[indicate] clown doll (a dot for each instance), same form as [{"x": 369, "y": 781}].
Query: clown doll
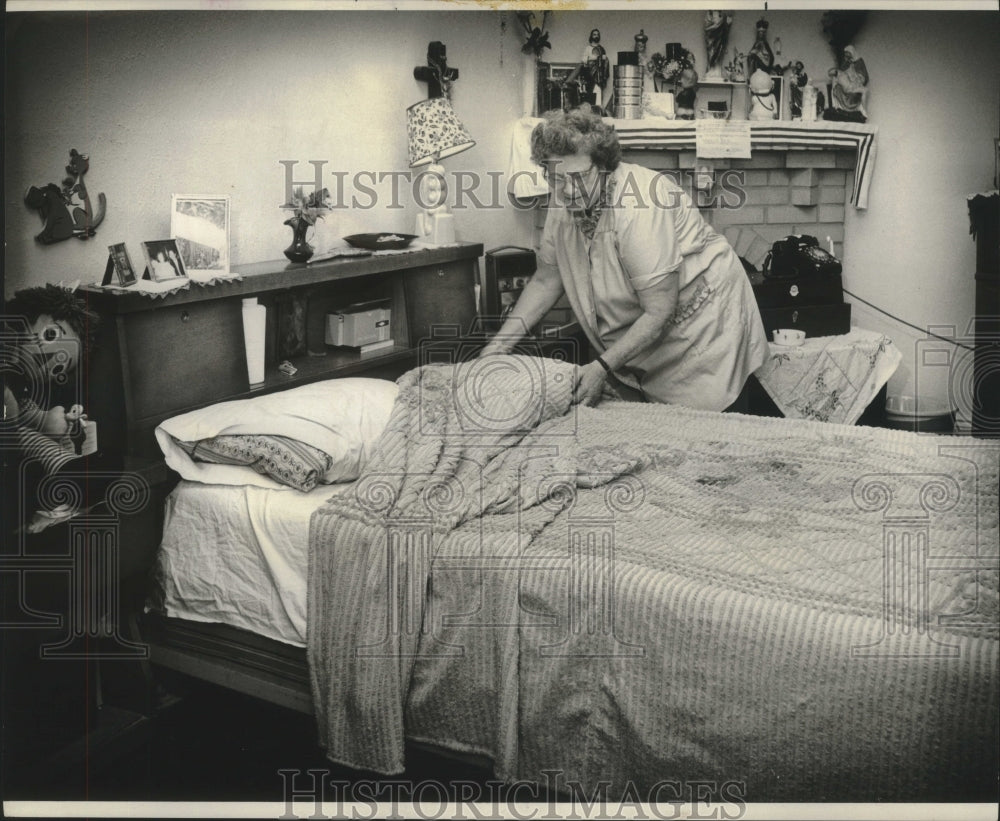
[{"x": 48, "y": 329}]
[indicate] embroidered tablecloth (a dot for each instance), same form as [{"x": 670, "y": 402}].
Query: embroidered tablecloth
[{"x": 829, "y": 378}]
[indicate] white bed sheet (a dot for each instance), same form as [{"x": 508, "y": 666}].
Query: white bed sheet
[{"x": 239, "y": 555}]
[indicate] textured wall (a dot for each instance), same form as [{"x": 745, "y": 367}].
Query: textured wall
[
  {"x": 200, "y": 103},
  {"x": 209, "y": 102}
]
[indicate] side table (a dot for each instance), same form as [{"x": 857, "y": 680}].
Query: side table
[{"x": 829, "y": 378}]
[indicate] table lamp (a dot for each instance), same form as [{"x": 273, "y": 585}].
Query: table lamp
[{"x": 434, "y": 132}]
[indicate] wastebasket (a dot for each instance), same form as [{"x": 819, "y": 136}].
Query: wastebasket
[{"x": 922, "y": 414}]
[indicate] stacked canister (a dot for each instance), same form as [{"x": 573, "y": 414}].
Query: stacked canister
[{"x": 628, "y": 86}]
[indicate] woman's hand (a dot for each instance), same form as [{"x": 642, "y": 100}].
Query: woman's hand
[{"x": 589, "y": 384}]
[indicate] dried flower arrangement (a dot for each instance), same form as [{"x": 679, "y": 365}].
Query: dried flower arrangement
[
  {"x": 536, "y": 38},
  {"x": 308, "y": 208}
]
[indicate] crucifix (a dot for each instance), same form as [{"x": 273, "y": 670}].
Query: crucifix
[{"x": 436, "y": 73}]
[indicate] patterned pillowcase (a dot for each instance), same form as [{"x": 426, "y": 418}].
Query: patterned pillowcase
[{"x": 285, "y": 460}]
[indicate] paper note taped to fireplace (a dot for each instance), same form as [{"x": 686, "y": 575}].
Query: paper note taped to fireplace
[{"x": 718, "y": 139}]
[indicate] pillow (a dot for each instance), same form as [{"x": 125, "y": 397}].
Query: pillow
[
  {"x": 285, "y": 460},
  {"x": 342, "y": 418}
]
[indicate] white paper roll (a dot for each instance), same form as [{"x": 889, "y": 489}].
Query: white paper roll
[{"x": 254, "y": 329}]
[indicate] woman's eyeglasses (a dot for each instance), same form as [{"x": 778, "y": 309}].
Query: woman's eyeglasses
[{"x": 577, "y": 178}]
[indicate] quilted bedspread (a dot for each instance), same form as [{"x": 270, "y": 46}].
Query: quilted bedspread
[{"x": 632, "y": 594}]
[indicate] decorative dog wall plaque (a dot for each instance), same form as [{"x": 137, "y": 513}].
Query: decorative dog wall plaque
[{"x": 62, "y": 214}]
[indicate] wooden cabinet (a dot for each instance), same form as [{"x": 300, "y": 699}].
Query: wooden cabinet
[
  {"x": 984, "y": 212},
  {"x": 156, "y": 358}
]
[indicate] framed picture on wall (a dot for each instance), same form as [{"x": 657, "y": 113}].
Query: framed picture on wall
[
  {"x": 201, "y": 227},
  {"x": 163, "y": 260},
  {"x": 553, "y": 89}
]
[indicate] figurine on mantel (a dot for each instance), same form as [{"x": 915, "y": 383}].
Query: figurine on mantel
[
  {"x": 717, "y": 25},
  {"x": 641, "y": 40},
  {"x": 685, "y": 91},
  {"x": 760, "y": 55},
  {"x": 763, "y": 104},
  {"x": 848, "y": 88},
  {"x": 795, "y": 80},
  {"x": 595, "y": 68},
  {"x": 734, "y": 71}
]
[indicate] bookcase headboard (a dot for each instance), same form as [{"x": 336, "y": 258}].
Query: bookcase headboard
[{"x": 156, "y": 358}]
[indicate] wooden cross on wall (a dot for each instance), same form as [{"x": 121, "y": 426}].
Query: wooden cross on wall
[{"x": 436, "y": 73}]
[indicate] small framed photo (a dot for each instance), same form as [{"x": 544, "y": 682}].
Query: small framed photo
[
  {"x": 163, "y": 260},
  {"x": 122, "y": 265},
  {"x": 555, "y": 90},
  {"x": 201, "y": 227}
]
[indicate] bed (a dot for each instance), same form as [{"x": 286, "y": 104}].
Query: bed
[{"x": 628, "y": 594}]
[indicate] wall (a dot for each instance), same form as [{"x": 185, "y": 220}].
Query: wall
[
  {"x": 202, "y": 103},
  {"x": 209, "y": 102},
  {"x": 911, "y": 252}
]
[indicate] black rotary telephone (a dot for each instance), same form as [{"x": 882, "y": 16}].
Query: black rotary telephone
[{"x": 799, "y": 255}]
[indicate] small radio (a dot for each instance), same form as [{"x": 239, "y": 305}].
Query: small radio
[
  {"x": 508, "y": 270},
  {"x": 359, "y": 325}
]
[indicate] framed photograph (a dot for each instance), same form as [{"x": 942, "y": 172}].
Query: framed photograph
[
  {"x": 121, "y": 265},
  {"x": 163, "y": 260},
  {"x": 201, "y": 227},
  {"x": 553, "y": 89}
]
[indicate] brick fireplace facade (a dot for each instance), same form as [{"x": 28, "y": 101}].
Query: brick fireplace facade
[
  {"x": 793, "y": 191},
  {"x": 786, "y": 192}
]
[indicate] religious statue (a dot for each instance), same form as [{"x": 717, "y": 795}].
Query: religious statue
[
  {"x": 717, "y": 25},
  {"x": 641, "y": 39},
  {"x": 760, "y": 55},
  {"x": 735, "y": 71},
  {"x": 848, "y": 88},
  {"x": 763, "y": 104},
  {"x": 795, "y": 81},
  {"x": 595, "y": 68}
]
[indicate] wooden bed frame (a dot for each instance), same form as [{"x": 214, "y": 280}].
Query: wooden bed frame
[
  {"x": 231, "y": 657},
  {"x": 156, "y": 358}
]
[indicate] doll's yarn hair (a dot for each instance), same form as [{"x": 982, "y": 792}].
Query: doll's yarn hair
[{"x": 61, "y": 304}]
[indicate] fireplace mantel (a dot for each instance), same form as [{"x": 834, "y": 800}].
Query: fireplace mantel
[{"x": 657, "y": 133}]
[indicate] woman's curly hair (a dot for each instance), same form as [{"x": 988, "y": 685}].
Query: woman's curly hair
[{"x": 568, "y": 132}]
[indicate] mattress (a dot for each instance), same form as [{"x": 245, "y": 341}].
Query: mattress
[{"x": 238, "y": 555}]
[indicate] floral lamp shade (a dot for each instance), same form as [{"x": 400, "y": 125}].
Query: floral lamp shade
[{"x": 434, "y": 131}]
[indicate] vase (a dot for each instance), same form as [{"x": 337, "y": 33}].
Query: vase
[
  {"x": 299, "y": 250},
  {"x": 529, "y": 76}
]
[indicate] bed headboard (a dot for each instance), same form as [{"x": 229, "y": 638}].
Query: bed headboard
[{"x": 157, "y": 357}]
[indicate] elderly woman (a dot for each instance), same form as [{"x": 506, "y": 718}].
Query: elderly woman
[{"x": 663, "y": 298}]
